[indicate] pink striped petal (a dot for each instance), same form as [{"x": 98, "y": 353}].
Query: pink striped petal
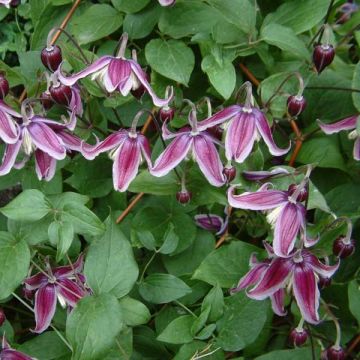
[
  {"x": 277, "y": 302},
  {"x": 7, "y": 109},
  {"x": 356, "y": 152},
  {"x": 344, "y": 124},
  {"x": 55, "y": 125},
  {"x": 240, "y": 137},
  {"x": 306, "y": 292},
  {"x": 175, "y": 152},
  {"x": 210, "y": 222},
  {"x": 45, "y": 306},
  {"x": 46, "y": 140},
  {"x": 265, "y": 132},
  {"x": 220, "y": 117},
  {"x": 36, "y": 281},
  {"x": 326, "y": 271},
  {"x": 9, "y": 157},
  {"x": 263, "y": 175},
  {"x": 208, "y": 160},
  {"x": 126, "y": 164},
  {"x": 145, "y": 149},
  {"x": 118, "y": 74},
  {"x": 45, "y": 165},
  {"x": 69, "y": 291},
  {"x": 69, "y": 270},
  {"x": 141, "y": 75},
  {"x": 9, "y": 132},
  {"x": 168, "y": 134},
  {"x": 11, "y": 354},
  {"x": 259, "y": 200},
  {"x": 93, "y": 68},
  {"x": 71, "y": 141},
  {"x": 274, "y": 278},
  {"x": 75, "y": 103}
]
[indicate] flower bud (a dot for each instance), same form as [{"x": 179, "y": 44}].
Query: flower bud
[
  {"x": 4, "y": 86},
  {"x": 230, "y": 173},
  {"x": 343, "y": 248},
  {"x": 333, "y": 353},
  {"x": 46, "y": 100},
  {"x": 303, "y": 195},
  {"x": 51, "y": 57},
  {"x": 61, "y": 94},
  {"x": 183, "y": 196},
  {"x": 2, "y": 317},
  {"x": 166, "y": 114},
  {"x": 323, "y": 56},
  {"x": 298, "y": 337},
  {"x": 14, "y": 3},
  {"x": 296, "y": 105}
]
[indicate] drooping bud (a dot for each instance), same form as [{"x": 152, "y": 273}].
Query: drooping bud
[
  {"x": 303, "y": 195},
  {"x": 46, "y": 100},
  {"x": 15, "y": 3},
  {"x": 2, "y": 317},
  {"x": 323, "y": 56},
  {"x": 61, "y": 93},
  {"x": 229, "y": 173},
  {"x": 51, "y": 57},
  {"x": 343, "y": 247},
  {"x": 4, "y": 86},
  {"x": 298, "y": 337},
  {"x": 334, "y": 353},
  {"x": 166, "y": 114},
  {"x": 296, "y": 105},
  {"x": 183, "y": 196}
]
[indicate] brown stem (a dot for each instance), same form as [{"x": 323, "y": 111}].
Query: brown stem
[
  {"x": 353, "y": 345},
  {"x": 298, "y": 144},
  {"x": 249, "y": 74},
  {"x": 129, "y": 207},
  {"x": 225, "y": 234}
]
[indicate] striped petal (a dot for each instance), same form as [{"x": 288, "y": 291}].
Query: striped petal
[
  {"x": 277, "y": 302},
  {"x": 263, "y": 175},
  {"x": 71, "y": 142},
  {"x": 118, "y": 74},
  {"x": 36, "y": 281},
  {"x": 69, "y": 291},
  {"x": 69, "y": 270},
  {"x": 326, "y": 271},
  {"x": 45, "y": 306},
  {"x": 210, "y": 222},
  {"x": 9, "y": 157},
  {"x": 11, "y": 354},
  {"x": 220, "y": 117},
  {"x": 9, "y": 132},
  {"x": 345, "y": 124},
  {"x": 45, "y": 165},
  {"x": 356, "y": 152}
]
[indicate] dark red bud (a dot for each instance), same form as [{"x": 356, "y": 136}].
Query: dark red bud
[
  {"x": 323, "y": 56},
  {"x": 296, "y": 105},
  {"x": 303, "y": 195},
  {"x": 298, "y": 337},
  {"x": 229, "y": 173},
  {"x": 166, "y": 114},
  {"x": 2, "y": 317},
  {"x": 324, "y": 282},
  {"x": 46, "y": 100},
  {"x": 14, "y": 3},
  {"x": 183, "y": 196},
  {"x": 139, "y": 92},
  {"x": 333, "y": 353},
  {"x": 51, "y": 57},
  {"x": 216, "y": 131},
  {"x": 343, "y": 249},
  {"x": 61, "y": 94},
  {"x": 4, "y": 86}
]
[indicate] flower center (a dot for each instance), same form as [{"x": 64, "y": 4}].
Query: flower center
[
  {"x": 353, "y": 135},
  {"x": 27, "y": 144}
]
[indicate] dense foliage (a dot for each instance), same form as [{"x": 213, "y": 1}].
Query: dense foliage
[{"x": 179, "y": 179}]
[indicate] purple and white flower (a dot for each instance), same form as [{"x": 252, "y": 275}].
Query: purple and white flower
[
  {"x": 9, "y": 131},
  {"x": 191, "y": 142},
  {"x": 64, "y": 283},
  {"x": 264, "y": 175},
  {"x": 349, "y": 123},
  {"x": 212, "y": 222},
  {"x": 7, "y": 353},
  {"x": 299, "y": 272},
  {"x": 117, "y": 73}
]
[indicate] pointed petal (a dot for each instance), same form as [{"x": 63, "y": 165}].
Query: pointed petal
[
  {"x": 356, "y": 152},
  {"x": 11, "y": 354},
  {"x": 69, "y": 291},
  {"x": 170, "y": 135},
  {"x": 75, "y": 103},
  {"x": 145, "y": 149},
  {"x": 274, "y": 278},
  {"x": 45, "y": 306},
  {"x": 286, "y": 229},
  {"x": 56, "y": 125},
  {"x": 263, "y": 175},
  {"x": 265, "y": 132},
  {"x": 174, "y": 153},
  {"x": 210, "y": 222},
  {"x": 326, "y": 271},
  {"x": 166, "y": 2},
  {"x": 94, "y": 67},
  {"x": 36, "y": 281},
  {"x": 306, "y": 292},
  {"x": 259, "y": 200},
  {"x": 140, "y": 74},
  {"x": 69, "y": 270},
  {"x": 277, "y": 302},
  {"x": 9, "y": 157},
  {"x": 45, "y": 165},
  {"x": 344, "y": 124},
  {"x": 8, "y": 110},
  {"x": 126, "y": 164},
  {"x": 71, "y": 141},
  {"x": 118, "y": 74},
  {"x": 9, "y": 132},
  {"x": 208, "y": 160},
  {"x": 269, "y": 249},
  {"x": 91, "y": 151},
  {"x": 219, "y": 118},
  {"x": 46, "y": 140}
]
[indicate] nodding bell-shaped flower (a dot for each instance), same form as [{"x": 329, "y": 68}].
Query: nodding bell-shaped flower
[
  {"x": 247, "y": 124},
  {"x": 117, "y": 73},
  {"x": 191, "y": 141},
  {"x": 298, "y": 272},
  {"x": 345, "y": 124},
  {"x": 167, "y": 2},
  {"x": 128, "y": 149},
  {"x": 213, "y": 222},
  {"x": 7, "y": 353},
  {"x": 64, "y": 283},
  {"x": 287, "y": 215}
]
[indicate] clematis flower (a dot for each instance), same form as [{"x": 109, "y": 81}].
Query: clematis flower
[
  {"x": 166, "y": 2},
  {"x": 47, "y": 139},
  {"x": 246, "y": 124},
  {"x": 212, "y": 222},
  {"x": 299, "y": 272},
  {"x": 287, "y": 213},
  {"x": 60, "y": 283},
  {"x": 345, "y": 124},
  {"x": 264, "y": 175},
  {"x": 117, "y": 73},
  {"x": 7, "y": 353},
  {"x": 129, "y": 148},
  {"x": 194, "y": 142}
]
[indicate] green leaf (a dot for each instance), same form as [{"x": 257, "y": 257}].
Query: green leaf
[
  {"x": 171, "y": 241},
  {"x": 354, "y": 299},
  {"x": 215, "y": 301},
  {"x": 145, "y": 182},
  {"x": 225, "y": 266},
  {"x": 93, "y": 326},
  {"x": 285, "y": 39},
  {"x": 134, "y": 312},
  {"x": 61, "y": 235},
  {"x": 172, "y": 59},
  {"x": 188, "y": 351},
  {"x": 295, "y": 354},
  {"x": 96, "y": 22},
  {"x": 130, "y": 6},
  {"x": 162, "y": 288},
  {"x": 15, "y": 262},
  {"x": 221, "y": 75},
  {"x": 178, "y": 331},
  {"x": 251, "y": 314},
  {"x": 30, "y": 205},
  {"x": 110, "y": 264},
  {"x": 356, "y": 85}
]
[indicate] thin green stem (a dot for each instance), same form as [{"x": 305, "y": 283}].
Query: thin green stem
[
  {"x": 147, "y": 265},
  {"x": 185, "y": 308}
]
